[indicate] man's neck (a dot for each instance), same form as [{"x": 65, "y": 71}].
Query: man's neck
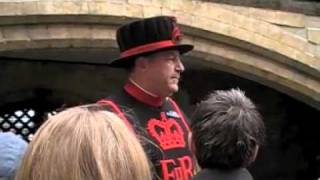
[
  {"x": 142, "y": 88},
  {"x": 135, "y": 90}
]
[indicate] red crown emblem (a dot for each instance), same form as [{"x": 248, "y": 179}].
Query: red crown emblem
[{"x": 167, "y": 132}]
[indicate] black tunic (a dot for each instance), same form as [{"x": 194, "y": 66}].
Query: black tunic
[{"x": 163, "y": 124}]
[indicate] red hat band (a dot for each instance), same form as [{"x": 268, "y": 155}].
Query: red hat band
[{"x": 147, "y": 48}]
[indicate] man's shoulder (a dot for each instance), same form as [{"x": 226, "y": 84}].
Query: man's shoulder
[
  {"x": 119, "y": 102},
  {"x": 119, "y": 97},
  {"x": 203, "y": 175}
]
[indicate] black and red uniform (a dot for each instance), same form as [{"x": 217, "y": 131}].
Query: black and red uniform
[{"x": 162, "y": 123}]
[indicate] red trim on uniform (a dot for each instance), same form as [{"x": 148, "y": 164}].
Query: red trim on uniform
[
  {"x": 147, "y": 48},
  {"x": 142, "y": 96},
  {"x": 117, "y": 110},
  {"x": 180, "y": 113}
]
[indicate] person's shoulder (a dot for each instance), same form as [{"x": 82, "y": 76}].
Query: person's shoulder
[
  {"x": 237, "y": 174},
  {"x": 205, "y": 174},
  {"x": 243, "y": 173},
  {"x": 9, "y": 139},
  {"x": 12, "y": 148}
]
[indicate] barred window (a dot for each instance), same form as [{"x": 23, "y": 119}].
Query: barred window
[
  {"x": 25, "y": 117},
  {"x": 20, "y": 122}
]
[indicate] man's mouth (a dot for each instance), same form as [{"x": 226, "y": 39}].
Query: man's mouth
[{"x": 176, "y": 77}]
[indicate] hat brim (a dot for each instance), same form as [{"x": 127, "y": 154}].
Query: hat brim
[{"x": 128, "y": 62}]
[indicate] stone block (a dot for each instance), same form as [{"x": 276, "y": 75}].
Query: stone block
[
  {"x": 311, "y": 49},
  {"x": 140, "y": 2},
  {"x": 317, "y": 51},
  {"x": 215, "y": 12},
  {"x": 103, "y": 32},
  {"x": 313, "y": 35},
  {"x": 191, "y": 7},
  {"x": 289, "y": 19},
  {"x": 149, "y": 11},
  {"x": 134, "y": 10},
  {"x": 167, "y": 12},
  {"x": 79, "y": 31},
  {"x": 158, "y": 3},
  {"x": 58, "y": 31},
  {"x": 28, "y": 8},
  {"x": 2, "y": 42},
  {"x": 200, "y": 45},
  {"x": 278, "y": 17},
  {"x": 15, "y": 33},
  {"x": 269, "y": 15},
  {"x": 271, "y": 31},
  {"x": 184, "y": 18},
  {"x": 312, "y": 22},
  {"x": 118, "y": 1},
  {"x": 246, "y": 23},
  {"x": 187, "y": 40},
  {"x": 75, "y": 7},
  {"x": 36, "y": 32},
  {"x": 302, "y": 32},
  {"x": 104, "y": 8},
  {"x": 1, "y": 36},
  {"x": 10, "y": 8},
  {"x": 60, "y": 43},
  {"x": 239, "y": 9},
  {"x": 174, "y": 5},
  {"x": 293, "y": 41},
  {"x": 204, "y": 23},
  {"x": 63, "y": 7},
  {"x": 240, "y": 33},
  {"x": 51, "y": 7}
]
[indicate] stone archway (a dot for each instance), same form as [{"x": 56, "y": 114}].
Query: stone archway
[{"x": 223, "y": 39}]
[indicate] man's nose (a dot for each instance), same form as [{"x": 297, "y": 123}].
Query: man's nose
[{"x": 180, "y": 66}]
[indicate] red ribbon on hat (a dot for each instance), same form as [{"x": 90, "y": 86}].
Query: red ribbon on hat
[{"x": 147, "y": 48}]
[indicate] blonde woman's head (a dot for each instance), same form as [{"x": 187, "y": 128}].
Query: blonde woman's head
[{"x": 84, "y": 143}]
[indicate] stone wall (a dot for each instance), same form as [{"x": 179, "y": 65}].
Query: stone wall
[
  {"x": 223, "y": 38},
  {"x": 309, "y": 7},
  {"x": 305, "y": 26}
]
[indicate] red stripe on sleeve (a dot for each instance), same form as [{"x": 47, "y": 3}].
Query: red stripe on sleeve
[{"x": 117, "y": 110}]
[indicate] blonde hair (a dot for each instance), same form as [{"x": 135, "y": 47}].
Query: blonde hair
[{"x": 84, "y": 144}]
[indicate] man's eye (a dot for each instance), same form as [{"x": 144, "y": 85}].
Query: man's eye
[{"x": 172, "y": 57}]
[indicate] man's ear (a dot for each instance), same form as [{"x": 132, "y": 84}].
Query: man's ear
[
  {"x": 255, "y": 153},
  {"x": 141, "y": 63}
]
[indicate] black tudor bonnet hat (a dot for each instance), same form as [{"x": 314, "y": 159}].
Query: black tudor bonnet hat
[{"x": 147, "y": 36}]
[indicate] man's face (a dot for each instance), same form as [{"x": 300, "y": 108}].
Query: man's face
[{"x": 164, "y": 69}]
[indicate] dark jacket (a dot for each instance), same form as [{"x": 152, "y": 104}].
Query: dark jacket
[
  {"x": 163, "y": 124},
  {"x": 213, "y": 174}
]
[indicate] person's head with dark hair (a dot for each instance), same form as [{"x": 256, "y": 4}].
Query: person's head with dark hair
[{"x": 227, "y": 131}]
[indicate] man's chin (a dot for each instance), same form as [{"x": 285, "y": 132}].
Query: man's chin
[{"x": 174, "y": 89}]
